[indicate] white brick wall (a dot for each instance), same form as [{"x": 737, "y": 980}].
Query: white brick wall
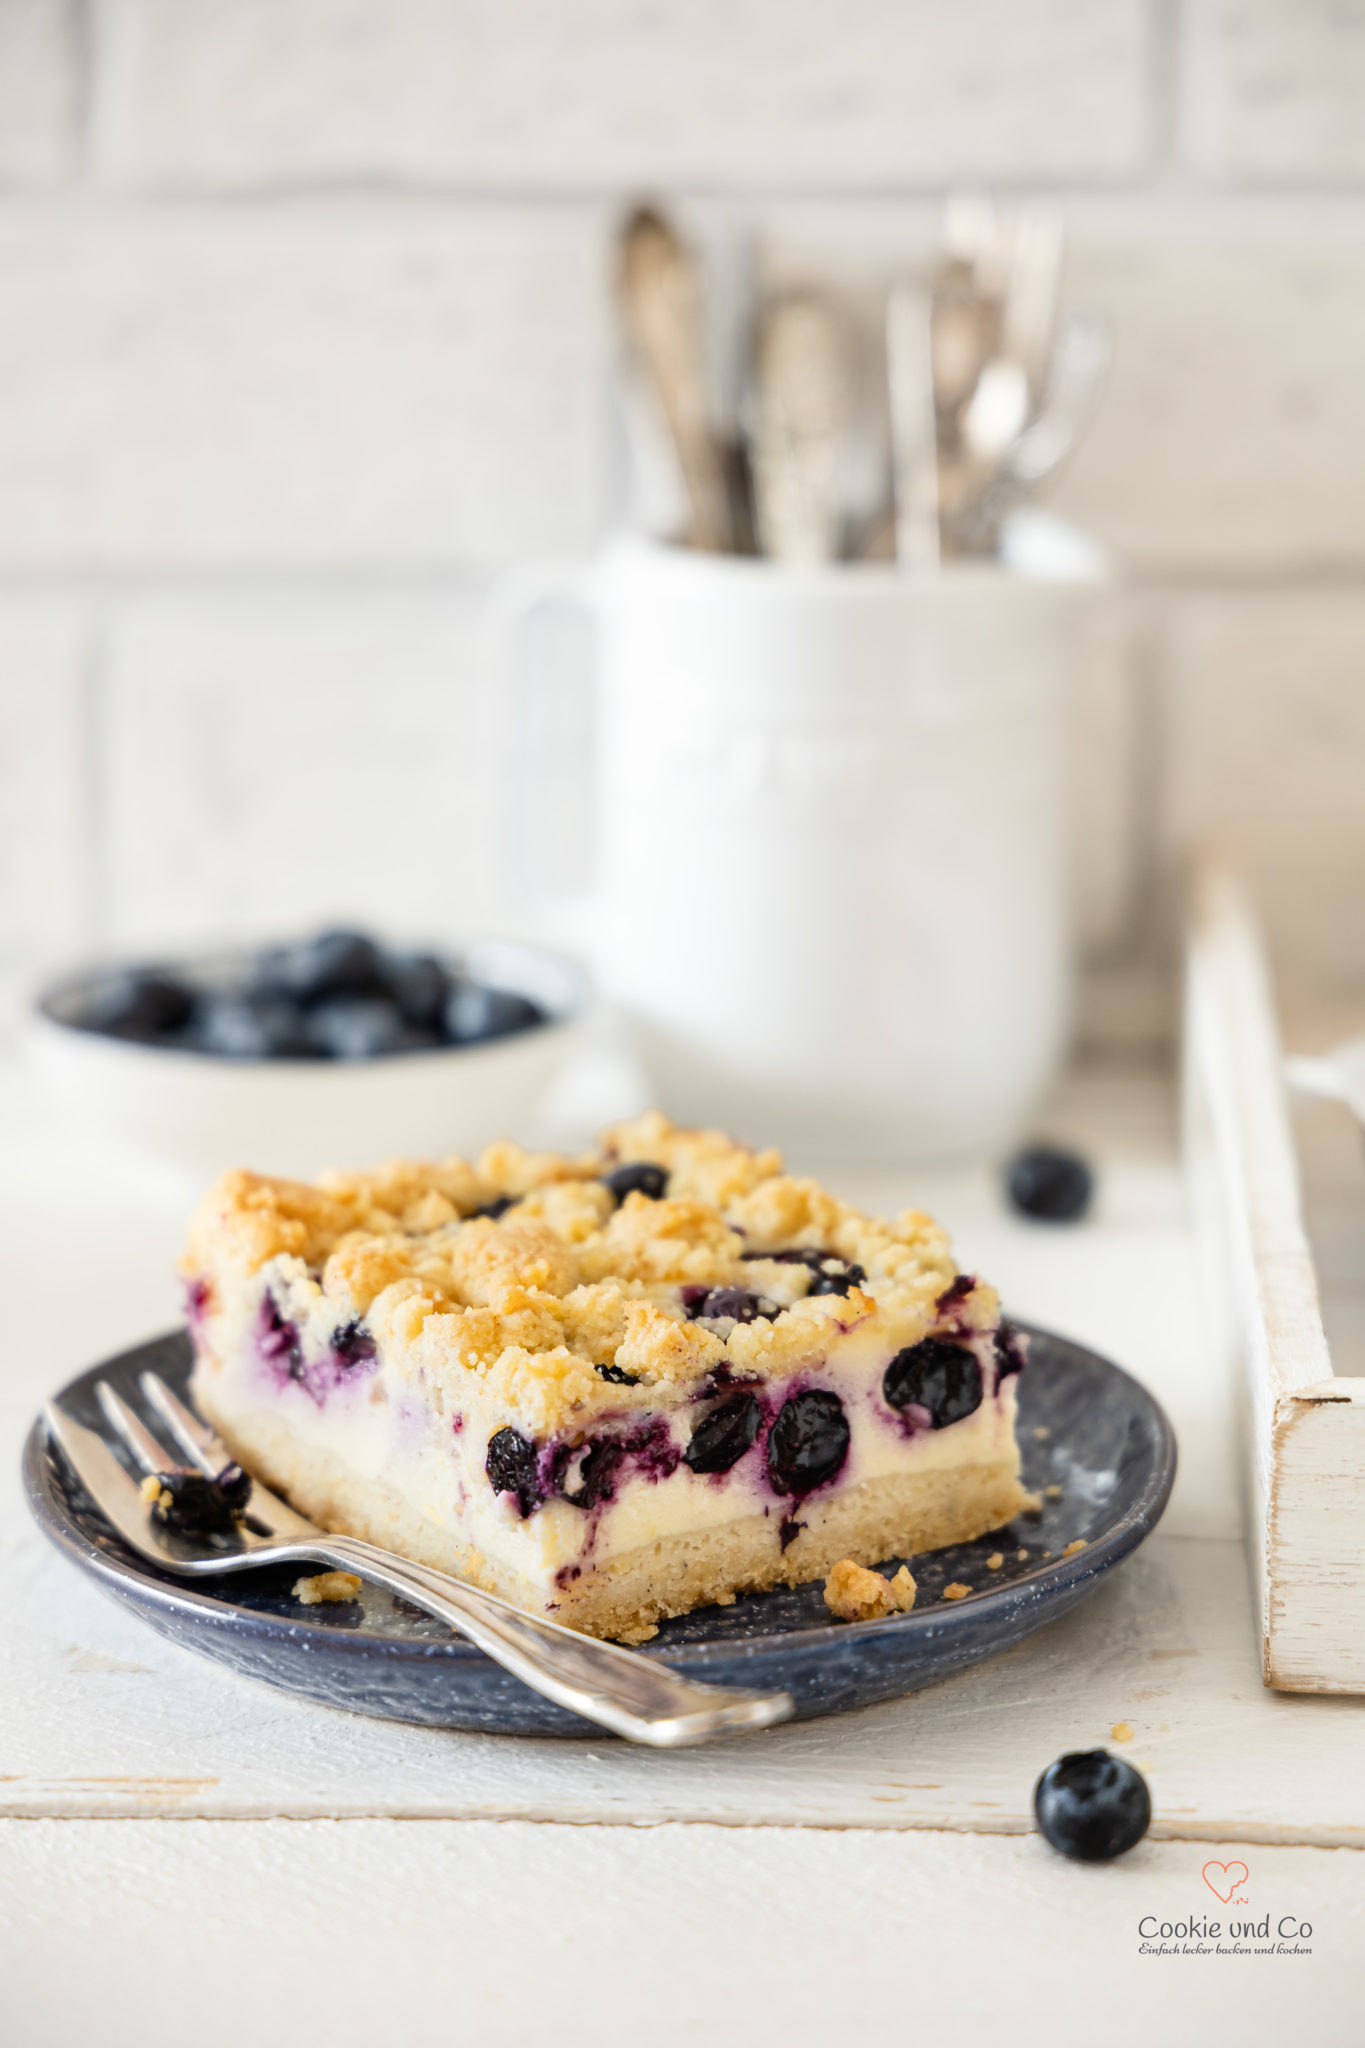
[
  {"x": 39, "y": 91},
  {"x": 273, "y": 760},
  {"x": 1224, "y": 441},
  {"x": 49, "y": 821},
  {"x": 1266, "y": 721},
  {"x": 579, "y": 95},
  {"x": 305, "y": 329},
  {"x": 362, "y": 385},
  {"x": 1275, "y": 90}
]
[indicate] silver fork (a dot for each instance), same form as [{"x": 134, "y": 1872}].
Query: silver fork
[{"x": 633, "y": 1696}]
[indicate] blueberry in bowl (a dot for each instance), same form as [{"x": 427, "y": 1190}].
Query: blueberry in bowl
[
  {"x": 296, "y": 1055},
  {"x": 338, "y": 995}
]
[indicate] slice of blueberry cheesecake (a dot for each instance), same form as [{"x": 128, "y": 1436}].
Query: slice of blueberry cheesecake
[{"x": 612, "y": 1388}]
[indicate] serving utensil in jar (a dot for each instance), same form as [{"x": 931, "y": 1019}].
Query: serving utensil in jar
[
  {"x": 914, "y": 431},
  {"x": 800, "y": 416},
  {"x": 660, "y": 297}
]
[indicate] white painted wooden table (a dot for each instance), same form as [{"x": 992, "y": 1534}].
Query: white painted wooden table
[{"x": 175, "y": 1840}]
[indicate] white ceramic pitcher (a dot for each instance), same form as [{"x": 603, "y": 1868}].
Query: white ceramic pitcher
[{"x": 831, "y": 890}]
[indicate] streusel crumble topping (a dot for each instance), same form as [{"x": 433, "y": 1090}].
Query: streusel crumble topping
[{"x": 528, "y": 1268}]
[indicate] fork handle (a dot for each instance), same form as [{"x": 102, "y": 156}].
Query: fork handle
[{"x": 634, "y": 1696}]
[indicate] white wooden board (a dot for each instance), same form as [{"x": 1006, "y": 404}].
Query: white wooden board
[{"x": 1305, "y": 1429}]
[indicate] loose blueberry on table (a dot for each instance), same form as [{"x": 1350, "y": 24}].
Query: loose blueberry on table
[
  {"x": 1049, "y": 1184},
  {"x": 1092, "y": 1806}
]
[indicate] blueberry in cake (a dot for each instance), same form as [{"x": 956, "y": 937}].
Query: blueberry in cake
[{"x": 612, "y": 1388}]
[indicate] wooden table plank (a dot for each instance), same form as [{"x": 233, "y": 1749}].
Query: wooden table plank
[
  {"x": 104, "y": 1718},
  {"x": 365, "y": 1932}
]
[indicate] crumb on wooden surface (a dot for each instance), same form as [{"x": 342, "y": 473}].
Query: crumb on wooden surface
[
  {"x": 324, "y": 1586},
  {"x": 995, "y": 1560},
  {"x": 1121, "y": 1732},
  {"x": 956, "y": 1591},
  {"x": 853, "y": 1593}
]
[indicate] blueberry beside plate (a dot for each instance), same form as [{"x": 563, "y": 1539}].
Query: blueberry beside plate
[{"x": 1084, "y": 1426}]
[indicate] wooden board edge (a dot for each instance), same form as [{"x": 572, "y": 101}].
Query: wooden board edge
[{"x": 1304, "y": 1430}]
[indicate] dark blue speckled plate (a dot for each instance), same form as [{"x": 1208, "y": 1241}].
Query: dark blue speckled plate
[{"x": 1084, "y": 1427}]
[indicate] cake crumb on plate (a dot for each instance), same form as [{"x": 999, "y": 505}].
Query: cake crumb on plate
[
  {"x": 853, "y": 1593},
  {"x": 326, "y": 1586},
  {"x": 956, "y": 1591}
]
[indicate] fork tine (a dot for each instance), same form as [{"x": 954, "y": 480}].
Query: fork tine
[
  {"x": 151, "y": 1455},
  {"x": 195, "y": 1438},
  {"x": 102, "y": 1476},
  {"x": 211, "y": 1455}
]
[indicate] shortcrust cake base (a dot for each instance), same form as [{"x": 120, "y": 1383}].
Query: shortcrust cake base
[{"x": 894, "y": 1515}]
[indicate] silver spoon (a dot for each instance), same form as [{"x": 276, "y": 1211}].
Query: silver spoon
[
  {"x": 799, "y": 427},
  {"x": 914, "y": 430},
  {"x": 660, "y": 297}
]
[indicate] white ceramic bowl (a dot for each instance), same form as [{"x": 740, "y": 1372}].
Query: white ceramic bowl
[{"x": 300, "y": 1117}]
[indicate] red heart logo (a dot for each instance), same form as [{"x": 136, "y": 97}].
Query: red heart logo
[{"x": 1231, "y": 1874}]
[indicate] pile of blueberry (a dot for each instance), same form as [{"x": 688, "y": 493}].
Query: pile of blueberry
[{"x": 337, "y": 996}]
